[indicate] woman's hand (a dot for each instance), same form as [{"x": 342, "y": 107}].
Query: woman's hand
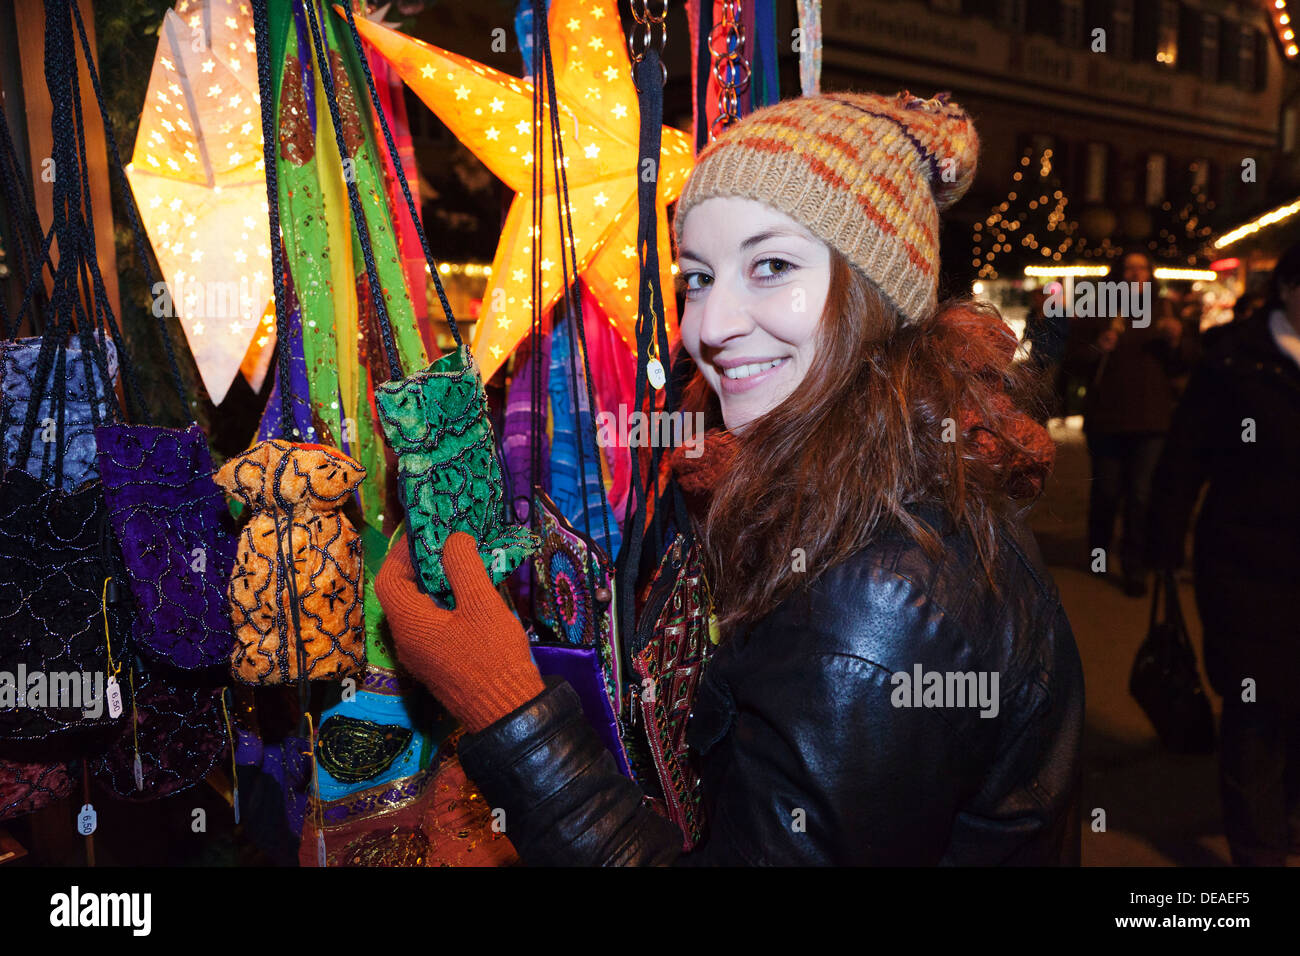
[{"x": 475, "y": 659}]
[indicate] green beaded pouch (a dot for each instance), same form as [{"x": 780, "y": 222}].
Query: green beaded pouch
[{"x": 448, "y": 476}]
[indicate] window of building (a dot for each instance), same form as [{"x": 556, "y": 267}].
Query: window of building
[
  {"x": 1094, "y": 179},
  {"x": 1121, "y": 29},
  {"x": 1155, "y": 191},
  {"x": 1262, "y": 49},
  {"x": 1245, "y": 77},
  {"x": 1166, "y": 31},
  {"x": 1011, "y": 14},
  {"x": 1209, "y": 48},
  {"x": 1071, "y": 23}
]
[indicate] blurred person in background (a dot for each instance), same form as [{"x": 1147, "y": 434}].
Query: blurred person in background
[
  {"x": 1237, "y": 430},
  {"x": 1131, "y": 374},
  {"x": 1046, "y": 335}
]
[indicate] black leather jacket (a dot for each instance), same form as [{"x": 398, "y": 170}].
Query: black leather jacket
[{"x": 805, "y": 757}]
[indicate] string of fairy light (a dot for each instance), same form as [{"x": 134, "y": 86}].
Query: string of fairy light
[
  {"x": 1189, "y": 225},
  {"x": 1008, "y": 224}
]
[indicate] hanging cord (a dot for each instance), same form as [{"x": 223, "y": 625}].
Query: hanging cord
[
  {"x": 354, "y": 195},
  {"x": 400, "y": 174},
  {"x": 650, "y": 329},
  {"x": 27, "y": 226},
  {"x": 60, "y": 321},
  {"x": 266, "y": 97},
  {"x": 265, "y": 92},
  {"x": 234, "y": 767},
  {"x": 132, "y": 210},
  {"x": 95, "y": 290},
  {"x": 569, "y": 254}
]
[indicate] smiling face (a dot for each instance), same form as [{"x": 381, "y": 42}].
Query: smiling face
[{"x": 755, "y": 283}]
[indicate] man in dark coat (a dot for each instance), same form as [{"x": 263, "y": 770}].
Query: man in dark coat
[{"x": 1238, "y": 429}]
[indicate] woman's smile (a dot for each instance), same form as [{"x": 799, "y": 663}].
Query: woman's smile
[{"x": 748, "y": 373}]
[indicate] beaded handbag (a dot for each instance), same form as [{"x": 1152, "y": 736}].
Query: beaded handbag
[
  {"x": 308, "y": 621},
  {"x": 177, "y": 550},
  {"x": 174, "y": 735},
  {"x": 574, "y": 600},
  {"x": 449, "y": 478}
]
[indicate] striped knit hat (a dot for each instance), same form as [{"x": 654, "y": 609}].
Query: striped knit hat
[{"x": 865, "y": 173}]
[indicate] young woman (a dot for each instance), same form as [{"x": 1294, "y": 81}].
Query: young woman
[{"x": 871, "y": 428}]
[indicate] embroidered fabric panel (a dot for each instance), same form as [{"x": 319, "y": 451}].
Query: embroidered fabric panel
[
  {"x": 18, "y": 383},
  {"x": 52, "y": 571},
  {"x": 449, "y": 478},
  {"x": 181, "y": 736},
  {"x": 170, "y": 520},
  {"x": 27, "y": 787},
  {"x": 673, "y": 660},
  {"x": 435, "y": 818},
  {"x": 566, "y": 602}
]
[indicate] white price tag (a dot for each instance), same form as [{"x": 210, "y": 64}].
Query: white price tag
[
  {"x": 86, "y": 820},
  {"x": 654, "y": 371},
  {"x": 114, "y": 694}
]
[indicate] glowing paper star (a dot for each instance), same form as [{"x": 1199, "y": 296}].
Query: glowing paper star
[
  {"x": 218, "y": 286},
  {"x": 607, "y": 175}
]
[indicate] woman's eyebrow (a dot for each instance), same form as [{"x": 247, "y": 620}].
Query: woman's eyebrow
[{"x": 750, "y": 242}]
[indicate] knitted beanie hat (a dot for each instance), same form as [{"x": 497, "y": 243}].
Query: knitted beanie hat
[{"x": 865, "y": 173}]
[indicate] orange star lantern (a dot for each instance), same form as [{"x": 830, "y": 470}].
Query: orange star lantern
[{"x": 492, "y": 112}]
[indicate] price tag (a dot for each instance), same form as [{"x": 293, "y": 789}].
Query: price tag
[
  {"x": 86, "y": 820},
  {"x": 138, "y": 770},
  {"x": 654, "y": 371},
  {"x": 114, "y": 694}
]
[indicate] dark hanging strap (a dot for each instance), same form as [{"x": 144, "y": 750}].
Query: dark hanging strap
[
  {"x": 401, "y": 174},
  {"x": 266, "y": 96},
  {"x": 26, "y": 226},
  {"x": 75, "y": 246},
  {"x": 132, "y": 213},
  {"x": 650, "y": 328},
  {"x": 569, "y": 258},
  {"x": 354, "y": 195}
]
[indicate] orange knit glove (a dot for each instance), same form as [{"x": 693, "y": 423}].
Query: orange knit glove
[{"x": 474, "y": 659}]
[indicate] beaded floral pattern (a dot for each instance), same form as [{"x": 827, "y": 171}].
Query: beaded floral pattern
[
  {"x": 449, "y": 478},
  {"x": 27, "y": 787},
  {"x": 295, "y": 492},
  {"x": 18, "y": 360},
  {"x": 177, "y": 552},
  {"x": 179, "y": 735},
  {"x": 54, "y": 550}
]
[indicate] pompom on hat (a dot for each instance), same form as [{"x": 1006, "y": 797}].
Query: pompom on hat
[{"x": 867, "y": 174}]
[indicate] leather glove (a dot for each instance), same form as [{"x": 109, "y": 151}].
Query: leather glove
[{"x": 475, "y": 660}]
